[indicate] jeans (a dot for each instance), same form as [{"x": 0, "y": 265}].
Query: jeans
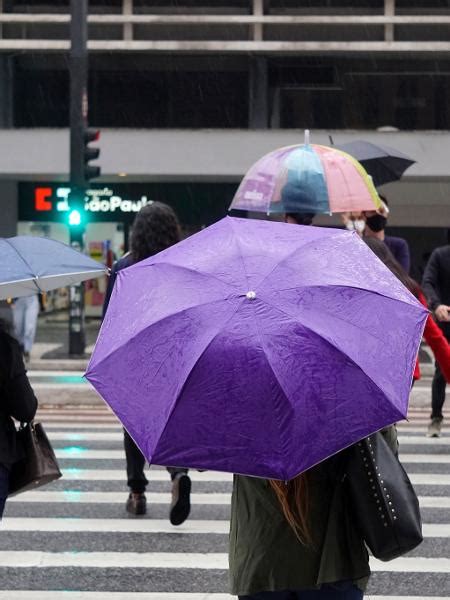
[
  {"x": 137, "y": 480},
  {"x": 25, "y": 313},
  {"x": 343, "y": 590},
  {"x": 437, "y": 393},
  {"x": 4, "y": 488}
]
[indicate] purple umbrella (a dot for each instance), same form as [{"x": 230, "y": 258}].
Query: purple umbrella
[{"x": 257, "y": 347}]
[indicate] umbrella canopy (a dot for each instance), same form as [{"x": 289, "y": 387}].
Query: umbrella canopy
[
  {"x": 308, "y": 179},
  {"x": 33, "y": 264},
  {"x": 384, "y": 164},
  {"x": 257, "y": 347}
]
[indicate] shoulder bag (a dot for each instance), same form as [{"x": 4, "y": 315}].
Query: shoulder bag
[
  {"x": 382, "y": 499},
  {"x": 38, "y": 464}
]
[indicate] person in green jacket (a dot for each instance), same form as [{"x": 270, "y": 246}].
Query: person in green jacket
[{"x": 296, "y": 540}]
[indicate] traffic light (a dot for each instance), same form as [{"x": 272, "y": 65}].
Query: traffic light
[
  {"x": 89, "y": 153},
  {"x": 74, "y": 218}
]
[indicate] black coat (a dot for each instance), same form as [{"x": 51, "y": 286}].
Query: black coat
[
  {"x": 436, "y": 282},
  {"x": 123, "y": 263},
  {"x": 17, "y": 399}
]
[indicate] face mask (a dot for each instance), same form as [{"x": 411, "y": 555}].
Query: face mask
[
  {"x": 357, "y": 225},
  {"x": 376, "y": 223}
]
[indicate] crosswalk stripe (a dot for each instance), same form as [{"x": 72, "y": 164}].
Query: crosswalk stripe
[
  {"x": 183, "y": 560},
  {"x": 191, "y": 526},
  {"x": 76, "y": 474},
  {"x": 82, "y": 453},
  {"x": 418, "y": 440},
  {"x": 67, "y": 595},
  {"x": 212, "y": 498}
]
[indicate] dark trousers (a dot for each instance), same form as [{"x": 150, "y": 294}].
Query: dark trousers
[
  {"x": 4, "y": 488},
  {"x": 338, "y": 591},
  {"x": 437, "y": 393},
  {"x": 137, "y": 481}
]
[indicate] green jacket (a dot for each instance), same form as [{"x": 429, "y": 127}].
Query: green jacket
[{"x": 265, "y": 555}]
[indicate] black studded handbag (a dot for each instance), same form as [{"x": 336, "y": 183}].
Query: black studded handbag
[{"x": 382, "y": 499}]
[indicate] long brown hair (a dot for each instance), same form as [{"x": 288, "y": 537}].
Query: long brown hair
[
  {"x": 293, "y": 497},
  {"x": 385, "y": 255}
]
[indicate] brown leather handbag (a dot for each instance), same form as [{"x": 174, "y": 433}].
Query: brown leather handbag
[{"x": 38, "y": 464}]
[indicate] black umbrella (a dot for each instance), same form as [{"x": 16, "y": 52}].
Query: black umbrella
[{"x": 384, "y": 164}]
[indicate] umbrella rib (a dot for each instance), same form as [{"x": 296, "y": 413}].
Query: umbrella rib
[
  {"x": 290, "y": 254},
  {"x": 33, "y": 279},
  {"x": 329, "y": 342},
  {"x": 190, "y": 269},
  {"x": 353, "y": 287},
  {"x": 231, "y": 222}
]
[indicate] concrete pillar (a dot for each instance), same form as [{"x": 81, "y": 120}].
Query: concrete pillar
[
  {"x": 6, "y": 92},
  {"x": 258, "y": 101},
  {"x": 389, "y": 11},
  {"x": 8, "y": 208}
]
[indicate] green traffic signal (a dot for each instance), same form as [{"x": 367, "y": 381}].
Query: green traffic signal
[{"x": 74, "y": 218}]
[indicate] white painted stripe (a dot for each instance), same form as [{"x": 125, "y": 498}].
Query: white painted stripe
[
  {"x": 429, "y": 478},
  {"x": 183, "y": 560},
  {"x": 77, "y": 452},
  {"x": 192, "y": 526},
  {"x": 42, "y": 373},
  {"x": 39, "y": 385},
  {"x": 420, "y": 440},
  {"x": 56, "y": 427},
  {"x": 75, "y": 474},
  {"x": 77, "y": 497},
  {"x": 65, "y": 595},
  {"x": 114, "y": 526}
]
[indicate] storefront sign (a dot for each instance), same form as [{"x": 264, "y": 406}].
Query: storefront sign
[{"x": 97, "y": 200}]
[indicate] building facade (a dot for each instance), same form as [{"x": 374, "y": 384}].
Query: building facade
[{"x": 189, "y": 93}]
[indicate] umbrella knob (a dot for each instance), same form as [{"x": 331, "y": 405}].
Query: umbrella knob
[
  {"x": 306, "y": 137},
  {"x": 250, "y": 295}
]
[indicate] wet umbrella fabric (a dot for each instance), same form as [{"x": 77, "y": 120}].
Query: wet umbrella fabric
[
  {"x": 31, "y": 264},
  {"x": 257, "y": 347},
  {"x": 384, "y": 164},
  {"x": 306, "y": 178}
]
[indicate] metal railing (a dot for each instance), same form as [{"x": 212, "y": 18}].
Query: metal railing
[{"x": 258, "y": 32}]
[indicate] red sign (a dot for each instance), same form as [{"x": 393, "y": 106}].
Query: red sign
[{"x": 41, "y": 195}]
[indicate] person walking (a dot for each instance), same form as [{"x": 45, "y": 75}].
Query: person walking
[
  {"x": 155, "y": 228},
  {"x": 25, "y": 312},
  {"x": 297, "y": 540},
  {"x": 436, "y": 285},
  {"x": 432, "y": 334},
  {"x": 376, "y": 222},
  {"x": 17, "y": 401}
]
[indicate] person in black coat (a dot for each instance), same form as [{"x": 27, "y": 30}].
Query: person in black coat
[
  {"x": 156, "y": 228},
  {"x": 17, "y": 401},
  {"x": 436, "y": 285}
]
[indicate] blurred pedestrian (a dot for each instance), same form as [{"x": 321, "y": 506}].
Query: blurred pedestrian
[
  {"x": 432, "y": 334},
  {"x": 25, "y": 312},
  {"x": 297, "y": 540},
  {"x": 17, "y": 402},
  {"x": 436, "y": 285},
  {"x": 155, "y": 228},
  {"x": 299, "y": 218},
  {"x": 376, "y": 222}
]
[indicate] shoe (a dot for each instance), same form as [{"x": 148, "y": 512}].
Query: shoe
[
  {"x": 136, "y": 503},
  {"x": 434, "y": 428},
  {"x": 181, "y": 499}
]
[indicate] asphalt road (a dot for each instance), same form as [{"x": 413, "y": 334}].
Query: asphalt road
[{"x": 73, "y": 540}]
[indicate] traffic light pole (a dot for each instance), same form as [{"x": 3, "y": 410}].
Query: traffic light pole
[{"x": 78, "y": 124}]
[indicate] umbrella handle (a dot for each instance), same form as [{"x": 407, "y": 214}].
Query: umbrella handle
[{"x": 306, "y": 137}]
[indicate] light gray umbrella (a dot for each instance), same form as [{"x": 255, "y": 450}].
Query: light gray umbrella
[{"x": 29, "y": 265}]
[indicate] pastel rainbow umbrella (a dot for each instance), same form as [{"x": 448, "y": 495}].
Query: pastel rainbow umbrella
[{"x": 306, "y": 178}]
